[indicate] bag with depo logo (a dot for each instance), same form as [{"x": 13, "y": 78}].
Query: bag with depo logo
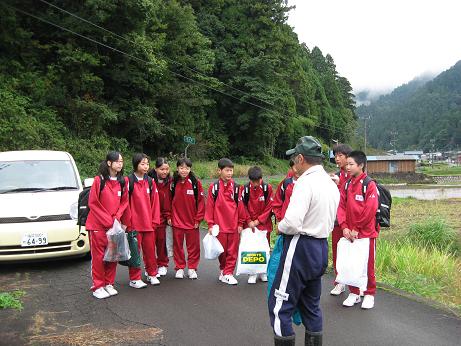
[{"x": 254, "y": 252}]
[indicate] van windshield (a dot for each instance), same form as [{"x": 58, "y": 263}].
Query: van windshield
[{"x": 32, "y": 176}]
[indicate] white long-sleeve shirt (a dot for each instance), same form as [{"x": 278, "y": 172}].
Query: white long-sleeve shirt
[{"x": 313, "y": 205}]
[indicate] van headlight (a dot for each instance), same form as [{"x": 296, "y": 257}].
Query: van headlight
[{"x": 73, "y": 211}]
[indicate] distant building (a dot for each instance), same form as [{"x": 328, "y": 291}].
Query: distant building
[
  {"x": 417, "y": 153},
  {"x": 392, "y": 164}
]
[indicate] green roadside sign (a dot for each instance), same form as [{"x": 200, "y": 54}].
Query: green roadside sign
[{"x": 189, "y": 140}]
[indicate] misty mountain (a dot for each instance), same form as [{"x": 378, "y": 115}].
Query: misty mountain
[{"x": 421, "y": 114}]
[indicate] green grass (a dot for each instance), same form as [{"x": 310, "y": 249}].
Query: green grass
[
  {"x": 441, "y": 169},
  {"x": 11, "y": 300}
]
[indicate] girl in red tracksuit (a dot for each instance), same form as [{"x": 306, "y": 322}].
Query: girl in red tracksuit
[
  {"x": 161, "y": 175},
  {"x": 283, "y": 194},
  {"x": 187, "y": 209},
  {"x": 144, "y": 217},
  {"x": 108, "y": 201},
  {"x": 226, "y": 210},
  {"x": 357, "y": 219}
]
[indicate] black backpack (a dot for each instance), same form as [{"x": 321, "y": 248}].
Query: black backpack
[
  {"x": 285, "y": 184},
  {"x": 132, "y": 178},
  {"x": 383, "y": 214},
  {"x": 83, "y": 197},
  {"x": 194, "y": 182},
  {"x": 215, "y": 190},
  {"x": 246, "y": 193}
]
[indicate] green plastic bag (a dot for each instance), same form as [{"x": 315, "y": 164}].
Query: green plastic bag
[{"x": 135, "y": 259}]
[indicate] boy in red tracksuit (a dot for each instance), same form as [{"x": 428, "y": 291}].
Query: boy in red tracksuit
[
  {"x": 187, "y": 210},
  {"x": 224, "y": 208},
  {"x": 257, "y": 200},
  {"x": 108, "y": 200},
  {"x": 357, "y": 219},
  {"x": 144, "y": 217},
  {"x": 283, "y": 194},
  {"x": 161, "y": 175},
  {"x": 341, "y": 152}
]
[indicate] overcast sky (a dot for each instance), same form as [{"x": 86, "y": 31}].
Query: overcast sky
[{"x": 381, "y": 44}]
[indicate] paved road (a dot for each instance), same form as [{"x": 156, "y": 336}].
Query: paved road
[{"x": 59, "y": 310}]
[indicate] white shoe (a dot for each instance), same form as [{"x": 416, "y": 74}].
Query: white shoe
[
  {"x": 179, "y": 274},
  {"x": 111, "y": 290},
  {"x": 192, "y": 274},
  {"x": 351, "y": 300},
  {"x": 147, "y": 275},
  {"x": 162, "y": 271},
  {"x": 361, "y": 293},
  {"x": 153, "y": 280},
  {"x": 101, "y": 293},
  {"x": 229, "y": 279},
  {"x": 263, "y": 277},
  {"x": 368, "y": 302},
  {"x": 137, "y": 284},
  {"x": 339, "y": 288},
  {"x": 252, "y": 279},
  {"x": 221, "y": 275}
]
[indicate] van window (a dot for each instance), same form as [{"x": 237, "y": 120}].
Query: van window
[{"x": 34, "y": 175}]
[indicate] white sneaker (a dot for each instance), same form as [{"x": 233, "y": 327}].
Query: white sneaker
[
  {"x": 229, "y": 279},
  {"x": 111, "y": 290},
  {"x": 153, "y": 280},
  {"x": 192, "y": 274},
  {"x": 368, "y": 302},
  {"x": 101, "y": 293},
  {"x": 162, "y": 271},
  {"x": 137, "y": 284},
  {"x": 179, "y": 274},
  {"x": 263, "y": 277},
  {"x": 252, "y": 279},
  {"x": 339, "y": 288},
  {"x": 351, "y": 300},
  {"x": 221, "y": 275}
]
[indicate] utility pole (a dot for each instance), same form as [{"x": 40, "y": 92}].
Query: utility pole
[
  {"x": 394, "y": 134},
  {"x": 365, "y": 129},
  {"x": 432, "y": 152}
]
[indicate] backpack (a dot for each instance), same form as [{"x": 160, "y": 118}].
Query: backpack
[
  {"x": 132, "y": 178},
  {"x": 246, "y": 193},
  {"x": 215, "y": 191},
  {"x": 283, "y": 189},
  {"x": 83, "y": 197},
  {"x": 194, "y": 182},
  {"x": 383, "y": 213}
]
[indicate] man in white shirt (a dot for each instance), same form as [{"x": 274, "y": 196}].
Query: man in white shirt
[{"x": 308, "y": 221}]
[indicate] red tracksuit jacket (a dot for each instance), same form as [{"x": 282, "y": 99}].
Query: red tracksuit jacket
[
  {"x": 164, "y": 196},
  {"x": 278, "y": 205},
  {"x": 258, "y": 208},
  {"x": 144, "y": 211},
  {"x": 343, "y": 178},
  {"x": 359, "y": 213},
  {"x": 106, "y": 205},
  {"x": 224, "y": 212},
  {"x": 184, "y": 210}
]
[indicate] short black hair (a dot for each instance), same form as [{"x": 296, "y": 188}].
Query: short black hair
[
  {"x": 313, "y": 160},
  {"x": 160, "y": 162},
  {"x": 225, "y": 162},
  {"x": 137, "y": 158},
  {"x": 342, "y": 149},
  {"x": 255, "y": 173},
  {"x": 184, "y": 161},
  {"x": 359, "y": 158}
]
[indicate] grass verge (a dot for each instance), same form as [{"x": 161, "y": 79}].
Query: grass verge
[{"x": 11, "y": 300}]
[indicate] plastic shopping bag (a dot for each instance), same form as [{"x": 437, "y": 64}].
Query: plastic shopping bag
[
  {"x": 135, "y": 259},
  {"x": 212, "y": 247},
  {"x": 254, "y": 252},
  {"x": 169, "y": 240},
  {"x": 117, "y": 244},
  {"x": 352, "y": 262}
]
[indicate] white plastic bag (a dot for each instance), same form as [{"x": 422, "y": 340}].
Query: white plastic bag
[
  {"x": 352, "y": 262},
  {"x": 212, "y": 247},
  {"x": 117, "y": 248},
  {"x": 254, "y": 252},
  {"x": 169, "y": 240}
]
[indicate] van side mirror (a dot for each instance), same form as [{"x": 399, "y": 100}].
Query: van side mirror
[{"x": 88, "y": 182}]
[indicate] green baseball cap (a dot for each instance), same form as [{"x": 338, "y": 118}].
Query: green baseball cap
[{"x": 307, "y": 146}]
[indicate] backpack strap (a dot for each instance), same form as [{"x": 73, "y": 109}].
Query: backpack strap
[
  {"x": 150, "y": 183},
  {"x": 236, "y": 192},
  {"x": 194, "y": 182},
  {"x": 285, "y": 184},
  {"x": 246, "y": 194},
  {"x": 266, "y": 192},
  {"x": 365, "y": 183},
  {"x": 121, "y": 181},
  {"x": 215, "y": 190},
  {"x": 131, "y": 180}
]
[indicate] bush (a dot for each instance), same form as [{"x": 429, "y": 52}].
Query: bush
[{"x": 11, "y": 300}]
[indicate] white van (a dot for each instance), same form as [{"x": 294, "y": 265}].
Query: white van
[{"x": 38, "y": 206}]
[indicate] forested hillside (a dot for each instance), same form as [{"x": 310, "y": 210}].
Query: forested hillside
[
  {"x": 419, "y": 115},
  {"x": 141, "y": 74}
]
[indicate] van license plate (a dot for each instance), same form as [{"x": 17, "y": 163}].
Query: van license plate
[{"x": 34, "y": 239}]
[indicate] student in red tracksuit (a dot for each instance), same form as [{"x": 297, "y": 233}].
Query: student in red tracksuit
[
  {"x": 341, "y": 152},
  {"x": 258, "y": 206},
  {"x": 187, "y": 210},
  {"x": 108, "y": 201},
  {"x": 161, "y": 175},
  {"x": 144, "y": 216},
  {"x": 283, "y": 193},
  {"x": 357, "y": 219},
  {"x": 224, "y": 208}
]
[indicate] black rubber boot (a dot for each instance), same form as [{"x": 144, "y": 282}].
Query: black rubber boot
[
  {"x": 284, "y": 340},
  {"x": 313, "y": 338}
]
